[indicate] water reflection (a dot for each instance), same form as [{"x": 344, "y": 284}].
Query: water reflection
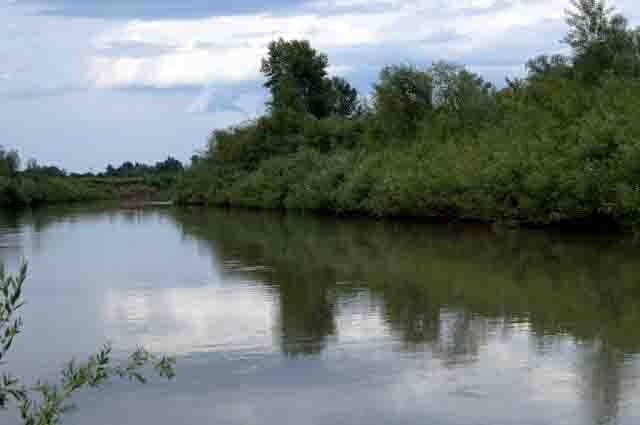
[
  {"x": 364, "y": 321},
  {"x": 450, "y": 291},
  {"x": 191, "y": 320},
  {"x": 583, "y": 287}
]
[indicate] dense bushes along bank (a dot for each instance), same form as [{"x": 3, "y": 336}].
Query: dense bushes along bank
[{"x": 561, "y": 144}]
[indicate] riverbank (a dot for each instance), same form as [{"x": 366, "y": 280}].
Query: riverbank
[
  {"x": 20, "y": 191},
  {"x": 555, "y": 163},
  {"x": 561, "y": 145},
  {"x": 304, "y": 182}
]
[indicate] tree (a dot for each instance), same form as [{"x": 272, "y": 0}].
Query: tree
[
  {"x": 589, "y": 22},
  {"x": 402, "y": 97},
  {"x": 9, "y": 162},
  {"x": 601, "y": 41},
  {"x": 45, "y": 404},
  {"x": 297, "y": 77},
  {"x": 544, "y": 66},
  {"x": 345, "y": 97},
  {"x": 126, "y": 169},
  {"x": 195, "y": 160},
  {"x": 13, "y": 162},
  {"x": 32, "y": 164},
  {"x": 34, "y": 169},
  {"x": 169, "y": 165},
  {"x": 462, "y": 95}
]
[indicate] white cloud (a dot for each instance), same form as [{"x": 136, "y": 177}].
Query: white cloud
[
  {"x": 225, "y": 49},
  {"x": 192, "y": 318},
  {"x": 229, "y": 49}
]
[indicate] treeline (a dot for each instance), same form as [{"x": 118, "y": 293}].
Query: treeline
[
  {"x": 130, "y": 169},
  {"x": 126, "y": 169},
  {"x": 161, "y": 176},
  {"x": 38, "y": 184},
  {"x": 561, "y": 144}
]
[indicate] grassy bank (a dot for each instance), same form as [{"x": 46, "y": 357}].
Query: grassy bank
[
  {"x": 21, "y": 190},
  {"x": 45, "y": 184},
  {"x": 561, "y": 145}
]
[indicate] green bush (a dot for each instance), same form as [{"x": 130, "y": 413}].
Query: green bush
[{"x": 20, "y": 191}]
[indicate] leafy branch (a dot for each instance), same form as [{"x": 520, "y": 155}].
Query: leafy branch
[{"x": 45, "y": 403}]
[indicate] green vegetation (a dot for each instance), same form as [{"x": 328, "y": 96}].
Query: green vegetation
[
  {"x": 39, "y": 184},
  {"x": 44, "y": 403},
  {"x": 21, "y": 191},
  {"x": 561, "y": 145}
]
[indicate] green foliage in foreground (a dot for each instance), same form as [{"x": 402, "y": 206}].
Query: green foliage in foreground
[
  {"x": 561, "y": 145},
  {"x": 45, "y": 403}
]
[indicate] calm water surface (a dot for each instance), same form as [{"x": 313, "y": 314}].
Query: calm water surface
[{"x": 286, "y": 319}]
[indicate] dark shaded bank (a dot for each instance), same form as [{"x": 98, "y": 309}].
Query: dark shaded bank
[{"x": 559, "y": 147}]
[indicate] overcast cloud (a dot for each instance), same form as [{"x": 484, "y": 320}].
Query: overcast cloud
[{"x": 84, "y": 83}]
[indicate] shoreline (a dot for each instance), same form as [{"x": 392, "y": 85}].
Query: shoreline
[{"x": 594, "y": 224}]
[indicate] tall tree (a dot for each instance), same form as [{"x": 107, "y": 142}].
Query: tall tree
[
  {"x": 601, "y": 41},
  {"x": 402, "y": 97},
  {"x": 297, "y": 77},
  {"x": 9, "y": 162},
  {"x": 461, "y": 94}
]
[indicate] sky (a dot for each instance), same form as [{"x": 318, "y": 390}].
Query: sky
[{"x": 86, "y": 83}]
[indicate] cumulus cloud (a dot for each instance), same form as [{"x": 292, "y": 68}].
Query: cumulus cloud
[
  {"x": 228, "y": 48},
  {"x": 219, "y": 49}
]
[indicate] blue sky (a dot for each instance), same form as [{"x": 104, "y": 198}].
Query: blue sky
[{"x": 84, "y": 83}]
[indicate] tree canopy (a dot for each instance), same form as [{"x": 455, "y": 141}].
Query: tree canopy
[
  {"x": 601, "y": 41},
  {"x": 298, "y": 80}
]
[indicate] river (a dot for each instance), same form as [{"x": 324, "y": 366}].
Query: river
[{"x": 294, "y": 319}]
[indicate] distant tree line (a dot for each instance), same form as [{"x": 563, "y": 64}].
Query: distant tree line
[
  {"x": 561, "y": 144},
  {"x": 11, "y": 161},
  {"x": 129, "y": 169},
  {"x": 36, "y": 183}
]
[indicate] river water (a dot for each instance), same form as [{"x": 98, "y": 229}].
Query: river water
[{"x": 292, "y": 319}]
